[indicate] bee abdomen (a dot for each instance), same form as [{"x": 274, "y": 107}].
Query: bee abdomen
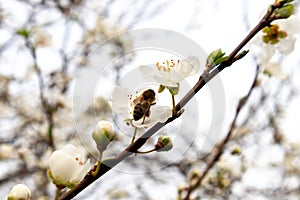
[{"x": 140, "y": 110}]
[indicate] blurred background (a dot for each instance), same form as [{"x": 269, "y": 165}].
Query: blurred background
[{"x": 45, "y": 44}]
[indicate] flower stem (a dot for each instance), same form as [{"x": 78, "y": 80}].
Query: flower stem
[
  {"x": 57, "y": 193},
  {"x": 94, "y": 173},
  {"x": 134, "y": 135},
  {"x": 144, "y": 152},
  {"x": 173, "y": 105}
]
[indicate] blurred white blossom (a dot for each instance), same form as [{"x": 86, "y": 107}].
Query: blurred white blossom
[
  {"x": 41, "y": 37},
  {"x": 282, "y": 41},
  {"x": 68, "y": 166},
  {"x": 170, "y": 73},
  {"x": 19, "y": 192},
  {"x": 6, "y": 151},
  {"x": 274, "y": 69}
]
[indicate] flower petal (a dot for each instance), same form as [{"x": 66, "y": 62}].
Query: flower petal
[
  {"x": 73, "y": 151},
  {"x": 160, "y": 113},
  {"x": 120, "y": 101},
  {"x": 161, "y": 77},
  {"x": 165, "y": 81},
  {"x": 290, "y": 25},
  {"x": 286, "y": 45},
  {"x": 188, "y": 67},
  {"x": 62, "y": 166},
  {"x": 80, "y": 173},
  {"x": 148, "y": 72},
  {"x": 185, "y": 68}
]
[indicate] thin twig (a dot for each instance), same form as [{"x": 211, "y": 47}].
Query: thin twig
[
  {"x": 221, "y": 146},
  {"x": 46, "y": 107}
]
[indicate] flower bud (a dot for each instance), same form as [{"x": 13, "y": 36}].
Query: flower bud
[
  {"x": 161, "y": 88},
  {"x": 215, "y": 58},
  {"x": 164, "y": 143},
  {"x": 103, "y": 135},
  {"x": 236, "y": 151},
  {"x": 284, "y": 12},
  {"x": 19, "y": 192},
  {"x": 67, "y": 166}
]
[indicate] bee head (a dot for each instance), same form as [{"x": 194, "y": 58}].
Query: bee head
[{"x": 149, "y": 95}]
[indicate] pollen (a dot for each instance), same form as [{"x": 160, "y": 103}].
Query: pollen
[
  {"x": 79, "y": 162},
  {"x": 273, "y": 34},
  {"x": 167, "y": 65}
]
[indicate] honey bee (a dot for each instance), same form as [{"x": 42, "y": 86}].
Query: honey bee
[{"x": 142, "y": 105}]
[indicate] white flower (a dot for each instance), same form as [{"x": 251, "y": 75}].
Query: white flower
[
  {"x": 285, "y": 45},
  {"x": 19, "y": 192},
  {"x": 122, "y": 103},
  {"x": 67, "y": 166},
  {"x": 170, "y": 73}
]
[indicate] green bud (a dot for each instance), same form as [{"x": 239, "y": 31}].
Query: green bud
[
  {"x": 283, "y": 1},
  {"x": 161, "y": 88},
  {"x": 23, "y": 32},
  {"x": 284, "y": 12},
  {"x": 103, "y": 135},
  {"x": 164, "y": 143},
  {"x": 236, "y": 151},
  {"x": 195, "y": 174},
  {"x": 174, "y": 90},
  {"x": 241, "y": 55},
  {"x": 215, "y": 58}
]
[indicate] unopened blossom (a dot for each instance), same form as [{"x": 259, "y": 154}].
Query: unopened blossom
[
  {"x": 164, "y": 143},
  {"x": 68, "y": 166},
  {"x": 123, "y": 104},
  {"x": 19, "y": 192},
  {"x": 171, "y": 72},
  {"x": 103, "y": 134}
]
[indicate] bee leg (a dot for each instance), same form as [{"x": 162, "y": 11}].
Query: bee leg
[{"x": 144, "y": 117}]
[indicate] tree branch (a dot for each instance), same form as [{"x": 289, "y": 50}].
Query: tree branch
[{"x": 203, "y": 80}]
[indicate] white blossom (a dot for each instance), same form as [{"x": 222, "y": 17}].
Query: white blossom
[
  {"x": 19, "y": 192},
  {"x": 170, "y": 73},
  {"x": 67, "y": 166},
  {"x": 285, "y": 45},
  {"x": 122, "y": 104}
]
